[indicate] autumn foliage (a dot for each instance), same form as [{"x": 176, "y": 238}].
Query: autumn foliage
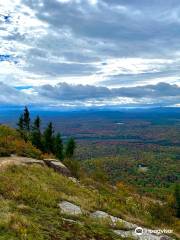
[{"x": 12, "y": 143}]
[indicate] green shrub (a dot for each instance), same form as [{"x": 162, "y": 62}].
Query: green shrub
[
  {"x": 26, "y": 149},
  {"x": 73, "y": 166},
  {"x": 11, "y": 142},
  {"x": 160, "y": 213},
  {"x": 7, "y": 137}
]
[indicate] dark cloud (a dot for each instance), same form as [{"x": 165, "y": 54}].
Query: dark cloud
[
  {"x": 64, "y": 94},
  {"x": 45, "y": 67},
  {"x": 64, "y": 91},
  {"x": 134, "y": 28}
]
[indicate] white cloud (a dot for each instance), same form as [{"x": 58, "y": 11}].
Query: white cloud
[
  {"x": 134, "y": 65},
  {"x": 93, "y": 2},
  {"x": 99, "y": 42}
]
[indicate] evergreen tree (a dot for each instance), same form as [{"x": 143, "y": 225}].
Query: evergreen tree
[
  {"x": 58, "y": 147},
  {"x": 20, "y": 129},
  {"x": 36, "y": 133},
  {"x": 48, "y": 138},
  {"x": 20, "y": 123},
  {"x": 26, "y": 119},
  {"x": 177, "y": 199},
  {"x": 70, "y": 148}
]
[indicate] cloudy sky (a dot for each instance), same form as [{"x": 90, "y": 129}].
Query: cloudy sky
[{"x": 90, "y": 53}]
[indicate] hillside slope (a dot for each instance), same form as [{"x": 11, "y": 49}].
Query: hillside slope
[
  {"x": 30, "y": 206},
  {"x": 39, "y": 203}
]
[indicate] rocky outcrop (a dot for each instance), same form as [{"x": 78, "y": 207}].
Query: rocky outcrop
[
  {"x": 128, "y": 230},
  {"x": 17, "y": 160},
  {"x": 114, "y": 220},
  {"x": 132, "y": 230},
  {"x": 146, "y": 235},
  {"x": 70, "y": 208},
  {"x": 52, "y": 163},
  {"x": 57, "y": 166}
]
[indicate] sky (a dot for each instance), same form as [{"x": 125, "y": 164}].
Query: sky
[{"x": 68, "y": 54}]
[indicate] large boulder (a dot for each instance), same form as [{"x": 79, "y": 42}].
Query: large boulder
[
  {"x": 69, "y": 208},
  {"x": 17, "y": 160},
  {"x": 58, "y": 166}
]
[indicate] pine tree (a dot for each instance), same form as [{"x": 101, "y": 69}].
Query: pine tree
[
  {"x": 48, "y": 138},
  {"x": 20, "y": 129},
  {"x": 26, "y": 119},
  {"x": 20, "y": 123},
  {"x": 177, "y": 199},
  {"x": 36, "y": 133},
  {"x": 58, "y": 147},
  {"x": 70, "y": 148},
  {"x": 37, "y": 123}
]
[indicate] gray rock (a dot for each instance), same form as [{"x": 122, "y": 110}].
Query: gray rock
[
  {"x": 31, "y": 161},
  {"x": 146, "y": 235},
  {"x": 17, "y": 160},
  {"x": 126, "y": 224},
  {"x": 57, "y": 166},
  {"x": 70, "y": 208},
  {"x": 100, "y": 215},
  {"x": 114, "y": 220},
  {"x": 123, "y": 234}
]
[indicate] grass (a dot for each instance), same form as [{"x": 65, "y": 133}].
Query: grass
[{"x": 29, "y": 197}]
